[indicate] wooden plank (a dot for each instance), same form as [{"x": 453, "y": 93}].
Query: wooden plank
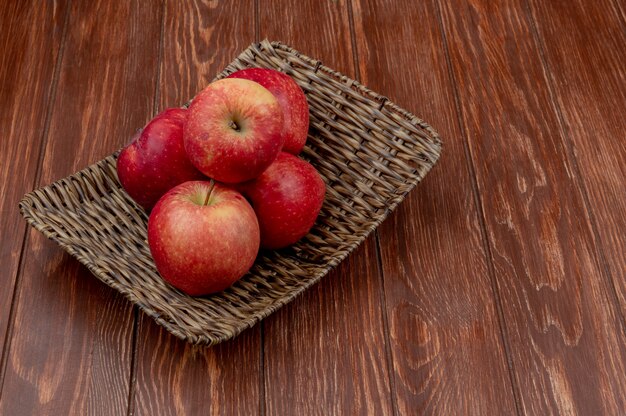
[
  {"x": 326, "y": 352},
  {"x": 584, "y": 46},
  {"x": 621, "y": 12},
  {"x": 27, "y": 62},
  {"x": 320, "y": 30},
  {"x": 567, "y": 341},
  {"x": 448, "y": 352},
  {"x": 70, "y": 352},
  {"x": 174, "y": 378}
]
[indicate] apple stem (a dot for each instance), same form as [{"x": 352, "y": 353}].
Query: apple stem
[
  {"x": 233, "y": 125},
  {"x": 208, "y": 194}
]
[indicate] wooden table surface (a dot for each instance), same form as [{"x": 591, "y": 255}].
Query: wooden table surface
[{"x": 497, "y": 287}]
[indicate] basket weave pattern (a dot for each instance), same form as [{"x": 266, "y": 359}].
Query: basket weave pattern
[{"x": 369, "y": 152}]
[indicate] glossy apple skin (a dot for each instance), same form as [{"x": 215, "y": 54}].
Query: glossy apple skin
[
  {"x": 291, "y": 99},
  {"x": 233, "y": 130},
  {"x": 287, "y": 198},
  {"x": 155, "y": 161},
  {"x": 202, "y": 249}
]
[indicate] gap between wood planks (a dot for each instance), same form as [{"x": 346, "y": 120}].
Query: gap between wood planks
[
  {"x": 549, "y": 75},
  {"x": 132, "y": 377},
  {"x": 481, "y": 216},
  {"x": 376, "y": 237},
  {"x": 503, "y": 65}
]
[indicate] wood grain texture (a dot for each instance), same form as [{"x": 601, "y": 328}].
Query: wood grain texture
[
  {"x": 71, "y": 347},
  {"x": 567, "y": 341},
  {"x": 27, "y": 64},
  {"x": 620, "y": 10},
  {"x": 318, "y": 29},
  {"x": 173, "y": 378},
  {"x": 176, "y": 378},
  {"x": 448, "y": 352},
  {"x": 325, "y": 353},
  {"x": 535, "y": 237},
  {"x": 584, "y": 46}
]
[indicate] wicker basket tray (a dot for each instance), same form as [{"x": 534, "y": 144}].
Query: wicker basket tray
[{"x": 370, "y": 153}]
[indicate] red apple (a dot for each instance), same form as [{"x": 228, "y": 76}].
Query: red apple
[
  {"x": 233, "y": 130},
  {"x": 286, "y": 197},
  {"x": 291, "y": 99},
  {"x": 156, "y": 161},
  {"x": 203, "y": 237}
]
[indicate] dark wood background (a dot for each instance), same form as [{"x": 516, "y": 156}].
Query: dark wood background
[{"x": 497, "y": 287}]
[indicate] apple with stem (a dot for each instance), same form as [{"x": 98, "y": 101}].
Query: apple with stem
[
  {"x": 234, "y": 130},
  {"x": 291, "y": 99},
  {"x": 203, "y": 237}
]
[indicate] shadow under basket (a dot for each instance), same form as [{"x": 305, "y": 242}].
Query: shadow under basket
[{"x": 369, "y": 152}]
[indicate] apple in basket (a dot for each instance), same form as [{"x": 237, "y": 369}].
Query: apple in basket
[
  {"x": 155, "y": 161},
  {"x": 233, "y": 130},
  {"x": 203, "y": 237},
  {"x": 287, "y": 198},
  {"x": 292, "y": 101}
]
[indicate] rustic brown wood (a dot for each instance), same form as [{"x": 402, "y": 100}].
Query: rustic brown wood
[
  {"x": 443, "y": 322},
  {"x": 590, "y": 95},
  {"x": 621, "y": 12},
  {"x": 561, "y": 319},
  {"x": 293, "y": 22},
  {"x": 174, "y": 378},
  {"x": 27, "y": 64},
  {"x": 539, "y": 90},
  {"x": 70, "y": 351},
  {"x": 326, "y": 352}
]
